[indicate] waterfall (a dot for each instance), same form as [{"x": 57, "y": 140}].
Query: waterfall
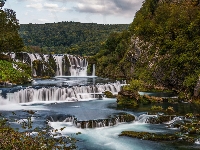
[
  {"x": 32, "y": 58},
  {"x": 93, "y": 70},
  {"x": 78, "y": 65},
  {"x": 99, "y": 123},
  {"x": 76, "y": 93},
  {"x": 144, "y": 118},
  {"x": 59, "y": 63}
]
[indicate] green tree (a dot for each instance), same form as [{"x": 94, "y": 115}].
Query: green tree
[{"x": 10, "y": 41}]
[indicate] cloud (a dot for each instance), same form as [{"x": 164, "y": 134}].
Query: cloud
[
  {"x": 51, "y": 6},
  {"x": 112, "y": 7},
  {"x": 35, "y": 6},
  {"x": 47, "y": 6},
  {"x": 43, "y": 20},
  {"x": 126, "y": 8}
]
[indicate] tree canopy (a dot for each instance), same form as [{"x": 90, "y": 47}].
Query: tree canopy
[
  {"x": 10, "y": 41},
  {"x": 67, "y": 37},
  {"x": 162, "y": 48}
]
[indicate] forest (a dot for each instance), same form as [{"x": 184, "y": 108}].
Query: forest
[
  {"x": 84, "y": 39},
  {"x": 160, "y": 48}
]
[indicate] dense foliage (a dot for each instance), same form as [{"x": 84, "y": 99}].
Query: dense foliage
[
  {"x": 32, "y": 139},
  {"x": 10, "y": 40},
  {"x": 67, "y": 37},
  {"x": 111, "y": 60},
  {"x": 14, "y": 72},
  {"x": 171, "y": 37},
  {"x": 161, "y": 47}
]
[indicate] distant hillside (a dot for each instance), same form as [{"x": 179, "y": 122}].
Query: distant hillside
[{"x": 67, "y": 37}]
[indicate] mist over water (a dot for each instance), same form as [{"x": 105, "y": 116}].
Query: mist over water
[{"x": 104, "y": 138}]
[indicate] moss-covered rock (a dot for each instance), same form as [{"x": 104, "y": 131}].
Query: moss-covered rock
[
  {"x": 127, "y": 99},
  {"x": 150, "y": 136},
  {"x": 109, "y": 94}
]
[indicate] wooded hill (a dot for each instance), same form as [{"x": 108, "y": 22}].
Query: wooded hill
[
  {"x": 67, "y": 37},
  {"x": 161, "y": 47}
]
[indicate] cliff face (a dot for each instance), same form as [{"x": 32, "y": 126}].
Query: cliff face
[
  {"x": 166, "y": 49},
  {"x": 161, "y": 47}
]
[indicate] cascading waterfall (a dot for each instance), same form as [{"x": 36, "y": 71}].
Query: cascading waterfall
[
  {"x": 144, "y": 118},
  {"x": 78, "y": 65},
  {"x": 76, "y": 93},
  {"x": 93, "y": 70},
  {"x": 59, "y": 63},
  {"x": 97, "y": 123},
  {"x": 32, "y": 58}
]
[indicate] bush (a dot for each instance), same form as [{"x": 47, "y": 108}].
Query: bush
[
  {"x": 156, "y": 108},
  {"x": 42, "y": 140}
]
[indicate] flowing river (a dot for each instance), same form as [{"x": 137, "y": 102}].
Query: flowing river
[{"x": 83, "y": 109}]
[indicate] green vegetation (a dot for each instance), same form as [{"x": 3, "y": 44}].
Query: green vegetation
[
  {"x": 40, "y": 139},
  {"x": 157, "y": 108},
  {"x": 187, "y": 129},
  {"x": 18, "y": 75},
  {"x": 161, "y": 47},
  {"x": 10, "y": 40},
  {"x": 109, "y": 94},
  {"x": 110, "y": 60},
  {"x": 67, "y": 37},
  {"x": 149, "y": 136},
  {"x": 169, "y": 32}
]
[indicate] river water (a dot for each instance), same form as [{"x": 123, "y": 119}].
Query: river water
[{"x": 98, "y": 138}]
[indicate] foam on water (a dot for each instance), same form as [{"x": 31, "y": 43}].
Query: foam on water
[{"x": 107, "y": 137}]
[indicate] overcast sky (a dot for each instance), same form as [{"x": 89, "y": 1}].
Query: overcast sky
[{"x": 96, "y": 11}]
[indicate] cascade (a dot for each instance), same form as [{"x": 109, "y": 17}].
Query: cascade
[
  {"x": 144, "y": 118},
  {"x": 59, "y": 63},
  {"x": 93, "y": 70},
  {"x": 78, "y": 65},
  {"x": 46, "y": 58},
  {"x": 32, "y": 58},
  {"x": 75, "y": 93},
  {"x": 97, "y": 123}
]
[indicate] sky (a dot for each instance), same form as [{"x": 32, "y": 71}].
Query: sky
[{"x": 85, "y": 11}]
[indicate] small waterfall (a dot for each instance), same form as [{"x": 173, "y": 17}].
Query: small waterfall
[
  {"x": 144, "y": 118},
  {"x": 78, "y": 66},
  {"x": 46, "y": 58},
  {"x": 59, "y": 63},
  {"x": 93, "y": 70},
  {"x": 12, "y": 55},
  {"x": 32, "y": 58},
  {"x": 97, "y": 123}
]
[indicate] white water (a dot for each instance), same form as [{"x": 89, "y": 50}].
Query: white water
[
  {"x": 107, "y": 137},
  {"x": 59, "y": 63},
  {"x": 93, "y": 70},
  {"x": 32, "y": 57},
  {"x": 76, "y": 93},
  {"x": 78, "y": 66}
]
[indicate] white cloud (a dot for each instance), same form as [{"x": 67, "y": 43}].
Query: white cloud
[
  {"x": 51, "y": 6},
  {"x": 112, "y": 7},
  {"x": 47, "y": 6},
  {"x": 125, "y": 8},
  {"x": 43, "y": 20},
  {"x": 35, "y": 6}
]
